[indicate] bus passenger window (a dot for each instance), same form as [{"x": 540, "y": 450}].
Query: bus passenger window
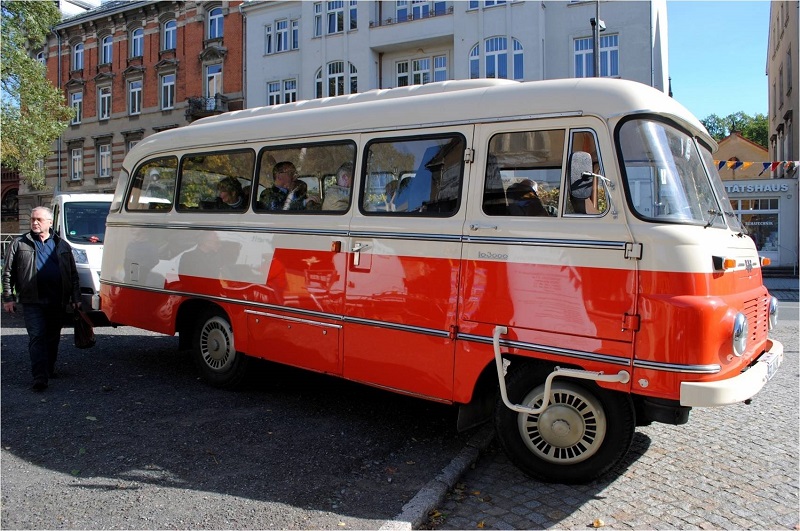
[
  {"x": 306, "y": 178},
  {"x": 523, "y": 173},
  {"x": 587, "y": 197},
  {"x": 153, "y": 185},
  {"x": 215, "y": 181},
  {"x": 420, "y": 176}
]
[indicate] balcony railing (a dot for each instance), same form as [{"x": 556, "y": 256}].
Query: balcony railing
[
  {"x": 201, "y": 107},
  {"x": 410, "y": 17}
]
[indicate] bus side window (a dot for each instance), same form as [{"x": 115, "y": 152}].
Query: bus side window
[
  {"x": 523, "y": 173},
  {"x": 216, "y": 181},
  {"x": 153, "y": 185},
  {"x": 578, "y": 202},
  {"x": 303, "y": 178},
  {"x": 415, "y": 176}
]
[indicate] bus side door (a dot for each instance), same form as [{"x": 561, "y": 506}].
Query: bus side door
[{"x": 404, "y": 262}]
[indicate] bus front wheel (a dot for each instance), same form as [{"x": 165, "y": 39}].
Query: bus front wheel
[
  {"x": 215, "y": 352},
  {"x": 583, "y": 433}
]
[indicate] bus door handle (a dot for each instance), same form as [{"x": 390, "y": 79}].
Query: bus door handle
[
  {"x": 356, "y": 250},
  {"x": 482, "y": 226}
]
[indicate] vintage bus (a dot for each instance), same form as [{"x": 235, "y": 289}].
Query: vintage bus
[{"x": 558, "y": 256}]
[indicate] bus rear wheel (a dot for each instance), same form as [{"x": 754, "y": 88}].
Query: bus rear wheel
[
  {"x": 583, "y": 433},
  {"x": 215, "y": 352}
]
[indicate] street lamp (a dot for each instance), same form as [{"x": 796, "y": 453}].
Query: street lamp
[{"x": 597, "y": 26}]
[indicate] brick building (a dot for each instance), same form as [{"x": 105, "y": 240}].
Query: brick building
[{"x": 131, "y": 69}]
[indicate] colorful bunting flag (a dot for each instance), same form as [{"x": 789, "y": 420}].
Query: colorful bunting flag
[{"x": 788, "y": 165}]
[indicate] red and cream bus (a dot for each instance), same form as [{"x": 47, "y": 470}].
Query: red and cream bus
[{"x": 559, "y": 256}]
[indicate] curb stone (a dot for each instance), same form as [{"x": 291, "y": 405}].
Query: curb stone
[{"x": 415, "y": 512}]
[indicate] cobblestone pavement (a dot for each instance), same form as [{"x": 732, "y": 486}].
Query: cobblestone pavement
[{"x": 733, "y": 467}]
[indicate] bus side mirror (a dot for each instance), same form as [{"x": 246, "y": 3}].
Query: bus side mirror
[{"x": 581, "y": 179}]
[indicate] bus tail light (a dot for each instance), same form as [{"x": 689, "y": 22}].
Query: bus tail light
[{"x": 765, "y": 261}]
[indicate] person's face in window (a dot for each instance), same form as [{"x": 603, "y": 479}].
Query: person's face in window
[
  {"x": 344, "y": 179},
  {"x": 284, "y": 178}
]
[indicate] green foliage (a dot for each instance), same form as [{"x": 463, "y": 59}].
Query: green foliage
[
  {"x": 34, "y": 112},
  {"x": 753, "y": 128}
]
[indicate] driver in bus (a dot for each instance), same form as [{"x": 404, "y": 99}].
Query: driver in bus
[{"x": 287, "y": 191}]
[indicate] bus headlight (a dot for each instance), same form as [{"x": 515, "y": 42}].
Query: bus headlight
[
  {"x": 80, "y": 256},
  {"x": 739, "y": 334},
  {"x": 773, "y": 313}
]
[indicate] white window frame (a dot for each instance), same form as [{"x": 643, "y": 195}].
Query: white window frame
[
  {"x": 135, "y": 87},
  {"x": 137, "y": 43},
  {"x": 76, "y": 164},
  {"x": 583, "y": 56},
  {"x": 334, "y": 15},
  {"x": 352, "y": 15},
  {"x": 107, "y": 50},
  {"x": 76, "y": 102},
  {"x": 268, "y": 39},
  {"x": 77, "y": 56},
  {"x": 337, "y": 78},
  {"x": 281, "y": 35},
  {"x": 170, "y": 35},
  {"x": 289, "y": 90},
  {"x": 403, "y": 77},
  {"x": 216, "y": 24},
  {"x": 104, "y": 103},
  {"x": 609, "y": 55},
  {"x": 496, "y": 56},
  {"x": 213, "y": 83},
  {"x": 273, "y": 93},
  {"x": 295, "y": 37},
  {"x": 104, "y": 160},
  {"x": 168, "y": 91},
  {"x": 318, "y": 19},
  {"x": 439, "y": 68},
  {"x": 40, "y": 58},
  {"x": 421, "y": 71}
]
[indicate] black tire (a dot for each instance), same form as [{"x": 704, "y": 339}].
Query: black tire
[
  {"x": 584, "y": 432},
  {"x": 214, "y": 351}
]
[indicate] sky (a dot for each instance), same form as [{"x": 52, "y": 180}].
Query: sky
[{"x": 718, "y": 55}]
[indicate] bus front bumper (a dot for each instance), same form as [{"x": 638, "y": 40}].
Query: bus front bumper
[{"x": 736, "y": 389}]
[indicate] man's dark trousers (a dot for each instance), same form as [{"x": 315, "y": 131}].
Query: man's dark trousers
[{"x": 43, "y": 323}]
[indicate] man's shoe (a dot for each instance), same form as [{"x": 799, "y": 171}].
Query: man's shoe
[{"x": 39, "y": 386}]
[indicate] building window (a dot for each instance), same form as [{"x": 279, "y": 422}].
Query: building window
[
  {"x": 76, "y": 101},
  {"x": 760, "y": 217},
  {"x": 609, "y": 56},
  {"x": 336, "y": 82},
  {"x": 104, "y": 103},
  {"x": 353, "y": 14},
  {"x": 104, "y": 160},
  {"x": 167, "y": 91},
  {"x": 135, "y": 97},
  {"x": 402, "y": 73},
  {"x": 440, "y": 68},
  {"x": 289, "y": 90},
  {"x": 40, "y": 58},
  {"x": 496, "y": 59},
  {"x": 789, "y": 72},
  {"x": 77, "y": 57},
  {"x": 213, "y": 80},
  {"x": 420, "y": 71},
  {"x": 281, "y": 35},
  {"x": 137, "y": 43},
  {"x": 274, "y": 93},
  {"x": 76, "y": 166},
  {"x": 107, "y": 50},
  {"x": 419, "y": 9},
  {"x": 268, "y": 39},
  {"x": 318, "y": 19},
  {"x": 170, "y": 40},
  {"x": 215, "y": 24},
  {"x": 295, "y": 34},
  {"x": 780, "y": 87},
  {"x": 335, "y": 16}
]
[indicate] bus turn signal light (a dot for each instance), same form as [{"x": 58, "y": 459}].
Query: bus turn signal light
[
  {"x": 729, "y": 263},
  {"x": 765, "y": 261}
]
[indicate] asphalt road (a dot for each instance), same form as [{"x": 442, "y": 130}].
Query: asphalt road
[{"x": 128, "y": 438}]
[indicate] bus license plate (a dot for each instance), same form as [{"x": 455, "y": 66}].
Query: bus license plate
[{"x": 773, "y": 361}]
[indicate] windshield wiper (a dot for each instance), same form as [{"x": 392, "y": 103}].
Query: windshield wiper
[{"x": 714, "y": 215}]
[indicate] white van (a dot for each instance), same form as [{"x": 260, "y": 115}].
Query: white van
[{"x": 81, "y": 220}]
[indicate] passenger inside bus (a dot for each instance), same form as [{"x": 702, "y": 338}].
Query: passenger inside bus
[
  {"x": 230, "y": 195},
  {"x": 337, "y": 196},
  {"x": 523, "y": 199},
  {"x": 287, "y": 191}
]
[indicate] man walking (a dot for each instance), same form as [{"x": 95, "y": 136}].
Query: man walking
[{"x": 40, "y": 274}]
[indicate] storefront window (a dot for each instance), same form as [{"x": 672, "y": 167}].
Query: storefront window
[{"x": 760, "y": 217}]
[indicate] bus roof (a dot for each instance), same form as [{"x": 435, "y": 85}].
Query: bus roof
[{"x": 435, "y": 104}]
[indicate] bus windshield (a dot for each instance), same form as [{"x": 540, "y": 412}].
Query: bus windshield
[
  {"x": 85, "y": 222},
  {"x": 666, "y": 178}
]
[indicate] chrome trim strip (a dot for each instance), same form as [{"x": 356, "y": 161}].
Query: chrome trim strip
[
  {"x": 546, "y": 242},
  {"x": 675, "y": 367},
  {"x": 396, "y": 326},
  {"x": 455, "y": 238},
  {"x": 578, "y": 354},
  {"x": 293, "y": 319}
]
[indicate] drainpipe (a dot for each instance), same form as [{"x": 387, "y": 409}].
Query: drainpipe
[
  {"x": 244, "y": 56},
  {"x": 61, "y": 136}
]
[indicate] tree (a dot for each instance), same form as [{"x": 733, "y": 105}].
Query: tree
[
  {"x": 34, "y": 112},
  {"x": 753, "y": 128}
]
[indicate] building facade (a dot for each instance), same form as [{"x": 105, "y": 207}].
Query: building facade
[
  {"x": 767, "y": 207},
  {"x": 130, "y": 69},
  {"x": 299, "y": 50},
  {"x": 783, "y": 50}
]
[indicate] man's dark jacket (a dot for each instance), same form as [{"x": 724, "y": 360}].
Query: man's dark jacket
[{"x": 19, "y": 271}]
